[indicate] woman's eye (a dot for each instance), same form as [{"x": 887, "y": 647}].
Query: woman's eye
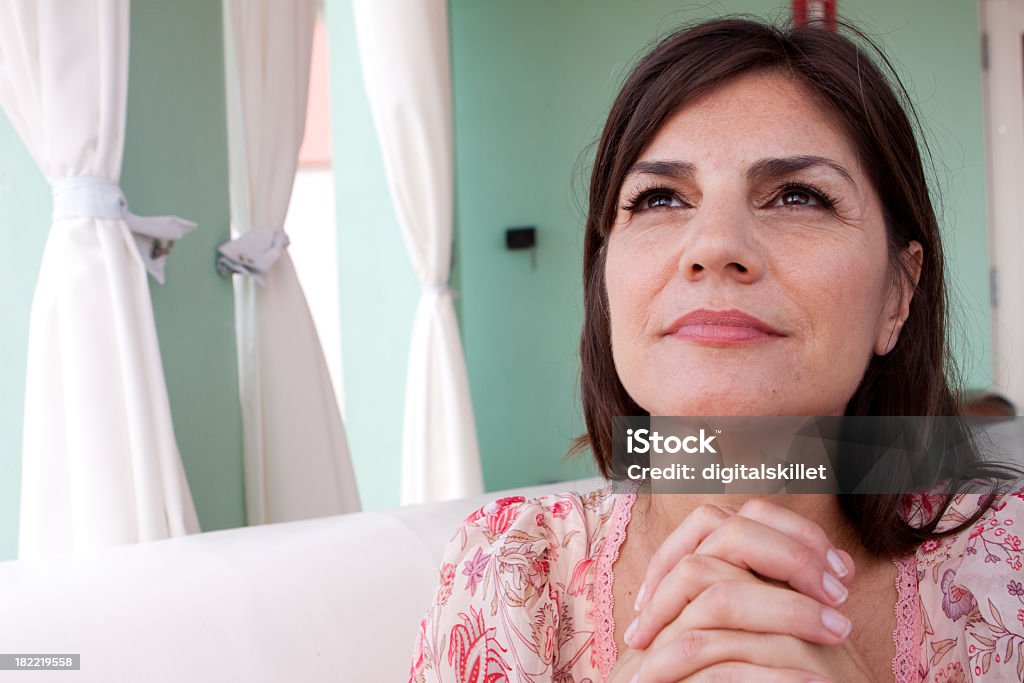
[
  {"x": 659, "y": 200},
  {"x": 654, "y": 198},
  {"x": 797, "y": 198}
]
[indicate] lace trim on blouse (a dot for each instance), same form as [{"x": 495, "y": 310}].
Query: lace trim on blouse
[
  {"x": 604, "y": 599},
  {"x": 904, "y": 664}
]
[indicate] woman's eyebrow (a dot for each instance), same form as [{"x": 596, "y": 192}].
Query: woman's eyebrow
[
  {"x": 774, "y": 167},
  {"x": 763, "y": 168},
  {"x": 680, "y": 170}
]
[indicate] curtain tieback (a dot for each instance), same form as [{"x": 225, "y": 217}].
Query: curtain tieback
[
  {"x": 252, "y": 254},
  {"x": 437, "y": 290},
  {"x": 95, "y": 197}
]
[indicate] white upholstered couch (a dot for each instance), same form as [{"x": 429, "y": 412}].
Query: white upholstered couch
[{"x": 331, "y": 599}]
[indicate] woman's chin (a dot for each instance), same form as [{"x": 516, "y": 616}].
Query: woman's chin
[{"x": 740, "y": 403}]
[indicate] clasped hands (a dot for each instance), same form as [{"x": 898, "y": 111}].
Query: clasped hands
[{"x": 744, "y": 595}]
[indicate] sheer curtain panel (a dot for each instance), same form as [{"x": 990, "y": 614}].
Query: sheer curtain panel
[
  {"x": 100, "y": 465},
  {"x": 297, "y": 462},
  {"x": 403, "y": 48}
]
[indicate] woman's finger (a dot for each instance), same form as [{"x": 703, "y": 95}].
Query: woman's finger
[
  {"x": 680, "y": 543},
  {"x": 760, "y": 608},
  {"x": 688, "y": 579},
  {"x": 691, "y": 652},
  {"x": 706, "y": 518},
  {"x": 800, "y": 529},
  {"x": 751, "y": 545},
  {"x": 743, "y": 544}
]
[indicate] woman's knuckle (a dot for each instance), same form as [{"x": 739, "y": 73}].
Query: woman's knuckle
[
  {"x": 812, "y": 535},
  {"x": 658, "y": 559},
  {"x": 805, "y": 557},
  {"x": 692, "y": 566},
  {"x": 755, "y": 507},
  {"x": 729, "y": 522},
  {"x": 720, "y": 599},
  {"x": 691, "y": 644},
  {"x": 706, "y": 512},
  {"x": 733, "y": 530}
]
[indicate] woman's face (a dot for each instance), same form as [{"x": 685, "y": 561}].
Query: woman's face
[{"x": 747, "y": 269}]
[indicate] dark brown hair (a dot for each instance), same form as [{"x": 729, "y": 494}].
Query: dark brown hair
[{"x": 879, "y": 120}]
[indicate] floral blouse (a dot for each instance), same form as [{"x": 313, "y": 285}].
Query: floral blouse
[{"x": 525, "y": 594}]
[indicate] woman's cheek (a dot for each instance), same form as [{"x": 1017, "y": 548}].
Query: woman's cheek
[{"x": 632, "y": 280}]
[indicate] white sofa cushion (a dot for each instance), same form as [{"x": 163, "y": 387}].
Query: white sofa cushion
[{"x": 331, "y": 599}]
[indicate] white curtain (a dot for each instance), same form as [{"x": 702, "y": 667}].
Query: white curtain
[
  {"x": 297, "y": 461},
  {"x": 404, "y": 52},
  {"x": 100, "y": 465}
]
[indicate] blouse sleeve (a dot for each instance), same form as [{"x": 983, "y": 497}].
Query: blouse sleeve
[
  {"x": 494, "y": 610},
  {"x": 976, "y": 615}
]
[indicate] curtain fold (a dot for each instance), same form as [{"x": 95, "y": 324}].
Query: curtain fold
[
  {"x": 297, "y": 462},
  {"x": 404, "y": 53},
  {"x": 100, "y": 465}
]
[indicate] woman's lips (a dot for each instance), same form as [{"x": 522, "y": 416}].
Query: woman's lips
[{"x": 722, "y": 327}]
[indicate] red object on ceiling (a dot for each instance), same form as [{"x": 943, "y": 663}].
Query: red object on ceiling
[{"x": 809, "y": 11}]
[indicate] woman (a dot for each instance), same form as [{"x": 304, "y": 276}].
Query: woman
[{"x": 760, "y": 241}]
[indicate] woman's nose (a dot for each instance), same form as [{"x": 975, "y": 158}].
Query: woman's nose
[{"x": 721, "y": 243}]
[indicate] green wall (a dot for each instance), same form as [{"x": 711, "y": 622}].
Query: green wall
[
  {"x": 24, "y": 214},
  {"x": 533, "y": 80},
  {"x": 378, "y": 290},
  {"x": 936, "y": 46},
  {"x": 175, "y": 162}
]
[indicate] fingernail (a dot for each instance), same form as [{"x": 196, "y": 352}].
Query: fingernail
[
  {"x": 639, "y": 598},
  {"x": 635, "y": 678},
  {"x": 836, "y": 622},
  {"x": 836, "y": 563},
  {"x": 631, "y": 631},
  {"x": 834, "y": 589}
]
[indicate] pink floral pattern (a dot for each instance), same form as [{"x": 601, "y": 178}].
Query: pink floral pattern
[
  {"x": 971, "y": 594},
  {"x": 525, "y": 594}
]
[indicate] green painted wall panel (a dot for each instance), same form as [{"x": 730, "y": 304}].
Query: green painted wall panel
[
  {"x": 936, "y": 46},
  {"x": 378, "y": 290},
  {"x": 25, "y": 207},
  {"x": 176, "y": 162}
]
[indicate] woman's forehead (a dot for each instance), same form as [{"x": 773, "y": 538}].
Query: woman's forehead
[{"x": 748, "y": 118}]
